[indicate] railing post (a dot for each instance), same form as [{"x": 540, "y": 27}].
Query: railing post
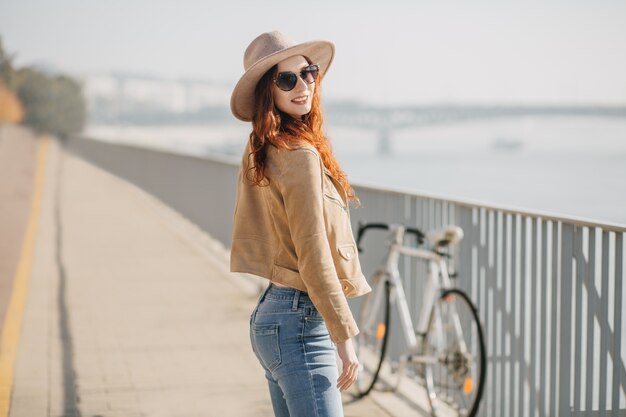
[
  {"x": 565, "y": 352},
  {"x": 617, "y": 324}
]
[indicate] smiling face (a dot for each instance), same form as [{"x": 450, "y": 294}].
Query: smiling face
[{"x": 296, "y": 102}]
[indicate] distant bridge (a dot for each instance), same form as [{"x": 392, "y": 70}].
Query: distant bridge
[{"x": 387, "y": 119}]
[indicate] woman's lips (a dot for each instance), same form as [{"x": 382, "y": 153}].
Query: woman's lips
[{"x": 300, "y": 100}]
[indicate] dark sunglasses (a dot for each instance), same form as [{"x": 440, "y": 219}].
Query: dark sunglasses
[{"x": 287, "y": 80}]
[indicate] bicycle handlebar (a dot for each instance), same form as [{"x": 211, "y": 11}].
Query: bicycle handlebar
[{"x": 364, "y": 226}]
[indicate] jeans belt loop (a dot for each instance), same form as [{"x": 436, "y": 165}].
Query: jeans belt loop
[{"x": 296, "y": 298}]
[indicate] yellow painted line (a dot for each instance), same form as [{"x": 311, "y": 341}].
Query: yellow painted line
[{"x": 15, "y": 311}]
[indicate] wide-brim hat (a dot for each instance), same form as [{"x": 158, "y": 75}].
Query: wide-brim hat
[{"x": 262, "y": 54}]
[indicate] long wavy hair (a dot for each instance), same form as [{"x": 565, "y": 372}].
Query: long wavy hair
[{"x": 272, "y": 127}]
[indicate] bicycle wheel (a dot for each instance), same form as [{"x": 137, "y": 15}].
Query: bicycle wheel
[
  {"x": 455, "y": 377},
  {"x": 371, "y": 342}
]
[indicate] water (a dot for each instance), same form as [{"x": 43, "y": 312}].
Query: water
[{"x": 572, "y": 166}]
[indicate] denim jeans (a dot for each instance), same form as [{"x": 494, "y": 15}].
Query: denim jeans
[{"x": 291, "y": 341}]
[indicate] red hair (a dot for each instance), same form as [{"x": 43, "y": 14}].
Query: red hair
[{"x": 272, "y": 127}]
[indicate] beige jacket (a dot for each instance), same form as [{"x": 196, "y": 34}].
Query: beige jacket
[{"x": 297, "y": 232}]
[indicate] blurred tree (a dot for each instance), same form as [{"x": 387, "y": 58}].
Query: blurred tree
[
  {"x": 53, "y": 104},
  {"x": 34, "y": 93},
  {"x": 7, "y": 72},
  {"x": 10, "y": 107}
]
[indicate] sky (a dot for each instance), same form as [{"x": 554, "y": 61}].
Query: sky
[{"x": 390, "y": 52}]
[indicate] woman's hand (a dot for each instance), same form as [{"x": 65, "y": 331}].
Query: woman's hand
[{"x": 350, "y": 364}]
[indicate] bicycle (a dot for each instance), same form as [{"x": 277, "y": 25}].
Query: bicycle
[{"x": 446, "y": 347}]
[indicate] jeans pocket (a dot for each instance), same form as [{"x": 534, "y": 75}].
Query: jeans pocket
[
  {"x": 314, "y": 325},
  {"x": 267, "y": 346}
]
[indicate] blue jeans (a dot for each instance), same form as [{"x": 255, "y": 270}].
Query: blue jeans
[{"x": 291, "y": 341}]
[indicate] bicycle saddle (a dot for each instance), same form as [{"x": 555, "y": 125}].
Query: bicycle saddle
[{"x": 449, "y": 235}]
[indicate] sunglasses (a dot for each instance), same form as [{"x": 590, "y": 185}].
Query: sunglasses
[{"x": 287, "y": 80}]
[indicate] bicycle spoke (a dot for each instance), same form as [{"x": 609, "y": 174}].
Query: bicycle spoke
[{"x": 455, "y": 337}]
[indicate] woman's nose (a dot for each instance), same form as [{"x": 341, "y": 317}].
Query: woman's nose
[{"x": 301, "y": 85}]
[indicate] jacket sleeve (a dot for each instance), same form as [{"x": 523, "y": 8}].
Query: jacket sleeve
[{"x": 301, "y": 187}]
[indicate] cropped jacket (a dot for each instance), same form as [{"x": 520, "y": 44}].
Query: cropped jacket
[{"x": 296, "y": 231}]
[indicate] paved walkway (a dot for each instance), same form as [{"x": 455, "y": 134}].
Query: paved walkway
[
  {"x": 131, "y": 311},
  {"x": 18, "y": 149}
]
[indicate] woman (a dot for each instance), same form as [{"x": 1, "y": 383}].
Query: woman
[{"x": 292, "y": 226}]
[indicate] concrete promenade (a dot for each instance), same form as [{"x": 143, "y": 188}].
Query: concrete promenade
[{"x": 130, "y": 310}]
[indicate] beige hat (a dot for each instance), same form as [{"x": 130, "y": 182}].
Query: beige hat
[{"x": 262, "y": 54}]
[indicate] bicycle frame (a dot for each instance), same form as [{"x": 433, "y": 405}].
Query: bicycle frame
[
  {"x": 437, "y": 344},
  {"x": 438, "y": 280}
]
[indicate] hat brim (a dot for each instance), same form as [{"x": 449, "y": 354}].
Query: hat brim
[{"x": 242, "y": 99}]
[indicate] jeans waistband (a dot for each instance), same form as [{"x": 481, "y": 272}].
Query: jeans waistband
[{"x": 286, "y": 294}]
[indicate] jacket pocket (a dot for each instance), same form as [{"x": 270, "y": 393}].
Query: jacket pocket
[
  {"x": 267, "y": 345},
  {"x": 347, "y": 263},
  {"x": 348, "y": 251}
]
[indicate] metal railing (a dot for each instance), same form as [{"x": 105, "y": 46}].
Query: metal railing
[
  {"x": 549, "y": 292},
  {"x": 549, "y": 288}
]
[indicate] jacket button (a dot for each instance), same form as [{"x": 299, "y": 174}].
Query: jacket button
[
  {"x": 345, "y": 288},
  {"x": 348, "y": 255}
]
